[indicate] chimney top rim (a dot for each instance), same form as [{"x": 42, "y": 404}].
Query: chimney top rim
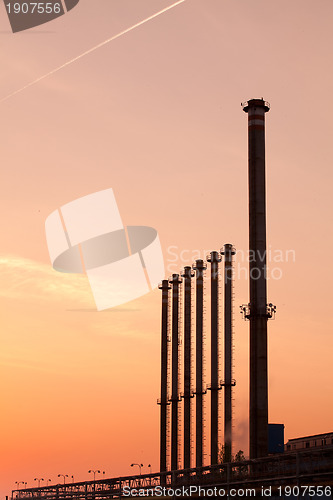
[{"x": 259, "y": 103}]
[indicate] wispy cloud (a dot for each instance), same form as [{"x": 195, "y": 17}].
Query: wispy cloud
[
  {"x": 28, "y": 280},
  {"x": 22, "y": 277}
]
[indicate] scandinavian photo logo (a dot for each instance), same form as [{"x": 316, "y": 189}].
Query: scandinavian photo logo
[{"x": 87, "y": 236}]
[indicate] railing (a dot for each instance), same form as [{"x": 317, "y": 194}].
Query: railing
[{"x": 290, "y": 468}]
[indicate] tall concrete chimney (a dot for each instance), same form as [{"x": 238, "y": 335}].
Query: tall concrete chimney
[
  {"x": 165, "y": 287},
  {"x": 257, "y": 311},
  {"x": 199, "y": 268},
  {"x": 228, "y": 251},
  {"x": 187, "y": 275},
  {"x": 175, "y": 282},
  {"x": 215, "y": 386}
]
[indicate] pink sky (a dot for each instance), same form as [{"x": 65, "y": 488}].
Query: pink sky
[{"x": 156, "y": 116}]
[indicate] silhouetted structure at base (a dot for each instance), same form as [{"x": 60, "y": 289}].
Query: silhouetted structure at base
[{"x": 306, "y": 468}]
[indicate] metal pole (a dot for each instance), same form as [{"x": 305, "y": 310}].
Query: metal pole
[
  {"x": 175, "y": 284},
  {"x": 256, "y": 109},
  {"x": 228, "y": 252},
  {"x": 187, "y": 275},
  {"x": 199, "y": 267},
  {"x": 214, "y": 260},
  {"x": 165, "y": 287}
]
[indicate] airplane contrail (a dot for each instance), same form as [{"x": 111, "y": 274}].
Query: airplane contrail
[{"x": 114, "y": 37}]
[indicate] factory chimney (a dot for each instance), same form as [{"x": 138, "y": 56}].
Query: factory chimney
[
  {"x": 257, "y": 311},
  {"x": 214, "y": 259},
  {"x": 165, "y": 287},
  {"x": 187, "y": 275},
  {"x": 175, "y": 282},
  {"x": 228, "y": 251},
  {"x": 199, "y": 268}
]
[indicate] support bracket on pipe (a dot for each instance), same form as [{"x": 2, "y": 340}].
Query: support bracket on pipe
[
  {"x": 228, "y": 384},
  {"x": 245, "y": 310}
]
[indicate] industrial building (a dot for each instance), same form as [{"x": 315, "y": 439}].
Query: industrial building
[{"x": 315, "y": 441}]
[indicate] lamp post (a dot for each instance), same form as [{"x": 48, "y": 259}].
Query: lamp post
[
  {"x": 149, "y": 465},
  {"x": 48, "y": 481},
  {"x": 39, "y": 479},
  {"x": 139, "y": 465},
  {"x": 64, "y": 476},
  {"x": 72, "y": 479},
  {"x": 18, "y": 487},
  {"x": 25, "y": 485},
  {"x": 97, "y": 471}
]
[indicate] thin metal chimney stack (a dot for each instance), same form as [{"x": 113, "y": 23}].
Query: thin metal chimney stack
[
  {"x": 187, "y": 275},
  {"x": 199, "y": 268},
  {"x": 165, "y": 287},
  {"x": 257, "y": 311},
  {"x": 175, "y": 285},
  {"x": 214, "y": 259},
  {"x": 228, "y": 251}
]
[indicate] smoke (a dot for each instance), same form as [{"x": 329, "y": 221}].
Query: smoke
[
  {"x": 118, "y": 35},
  {"x": 240, "y": 434}
]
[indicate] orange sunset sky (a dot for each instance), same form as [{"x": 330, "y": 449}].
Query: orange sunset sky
[{"x": 156, "y": 116}]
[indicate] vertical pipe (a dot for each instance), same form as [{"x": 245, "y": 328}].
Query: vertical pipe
[
  {"x": 175, "y": 284},
  {"x": 165, "y": 287},
  {"x": 187, "y": 275},
  {"x": 228, "y": 252},
  {"x": 214, "y": 260},
  {"x": 256, "y": 109},
  {"x": 199, "y": 268}
]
